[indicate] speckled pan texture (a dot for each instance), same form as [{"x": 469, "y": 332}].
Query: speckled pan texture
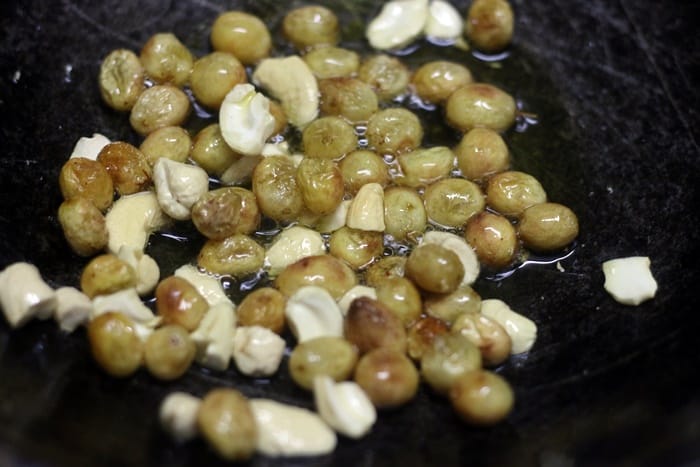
[{"x": 617, "y": 140}]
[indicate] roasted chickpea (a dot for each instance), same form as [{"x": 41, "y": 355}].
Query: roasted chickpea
[
  {"x": 435, "y": 81},
  {"x": 489, "y": 25},
  {"x": 179, "y": 302},
  {"x": 263, "y": 307},
  {"x": 226, "y": 211},
  {"x": 451, "y": 356},
  {"x": 480, "y": 105},
  {"x": 451, "y": 202},
  {"x": 421, "y": 334},
  {"x": 362, "y": 167},
  {"x": 328, "y": 138},
  {"x": 127, "y": 166},
  {"x": 388, "y": 377},
  {"x": 385, "y": 268},
  {"x": 276, "y": 189},
  {"x": 310, "y": 26},
  {"x": 510, "y": 193},
  {"x": 158, "y": 106},
  {"x": 238, "y": 255},
  {"x": 88, "y": 179},
  {"x": 448, "y": 307},
  {"x": 115, "y": 344},
  {"x": 548, "y": 227},
  {"x": 121, "y": 79},
  {"x": 171, "y": 142},
  {"x": 106, "y": 274},
  {"x": 321, "y": 184},
  {"x": 481, "y": 152},
  {"x": 356, "y": 247},
  {"x": 387, "y": 75},
  {"x": 332, "y": 62},
  {"x": 481, "y": 397},
  {"x": 83, "y": 225},
  {"x": 167, "y": 60},
  {"x": 370, "y": 324},
  {"x": 493, "y": 238},
  {"x": 434, "y": 268},
  {"x": 328, "y": 356},
  {"x": 404, "y": 213},
  {"x": 244, "y": 35},
  {"x": 227, "y": 423},
  {"x": 491, "y": 339},
  {"x": 325, "y": 271},
  {"x": 422, "y": 167},
  {"x": 402, "y": 297},
  {"x": 210, "y": 151},
  {"x": 214, "y": 75},
  {"x": 347, "y": 97},
  {"x": 169, "y": 352},
  {"x": 393, "y": 131}
]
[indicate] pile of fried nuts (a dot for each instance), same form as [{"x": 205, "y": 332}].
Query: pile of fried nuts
[{"x": 378, "y": 239}]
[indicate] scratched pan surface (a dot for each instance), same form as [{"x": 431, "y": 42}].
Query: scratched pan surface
[{"x": 616, "y": 140}]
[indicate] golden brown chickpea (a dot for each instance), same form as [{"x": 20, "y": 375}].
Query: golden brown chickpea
[
  {"x": 167, "y": 60},
  {"x": 481, "y": 152},
  {"x": 88, "y": 179},
  {"x": 383, "y": 269},
  {"x": 127, "y": 166},
  {"x": 388, "y": 377},
  {"x": 451, "y": 202},
  {"x": 434, "y": 268},
  {"x": 422, "y": 167},
  {"x": 106, "y": 274},
  {"x": 482, "y": 397},
  {"x": 238, "y": 255},
  {"x": 422, "y": 333},
  {"x": 171, "y": 142},
  {"x": 387, "y": 75},
  {"x": 347, "y": 97},
  {"x": 451, "y": 356},
  {"x": 121, "y": 79},
  {"x": 489, "y": 25},
  {"x": 276, "y": 189},
  {"x": 241, "y": 34},
  {"x": 325, "y": 271},
  {"x": 449, "y": 307},
  {"x": 83, "y": 225},
  {"x": 227, "y": 423},
  {"x": 263, "y": 307},
  {"x": 435, "y": 81},
  {"x": 328, "y": 355},
  {"x": 404, "y": 213},
  {"x": 179, "y": 302},
  {"x": 493, "y": 239},
  {"x": 362, "y": 167},
  {"x": 321, "y": 185},
  {"x": 492, "y": 340},
  {"x": 548, "y": 227},
  {"x": 480, "y": 105},
  {"x": 370, "y": 324},
  {"x": 402, "y": 297},
  {"x": 328, "y": 138},
  {"x": 332, "y": 62},
  {"x": 393, "y": 131},
  {"x": 114, "y": 344},
  {"x": 169, "y": 352},
  {"x": 510, "y": 193},
  {"x": 358, "y": 248},
  {"x": 226, "y": 211},
  {"x": 158, "y": 106},
  {"x": 310, "y": 26},
  {"x": 210, "y": 151},
  {"x": 214, "y": 75}
]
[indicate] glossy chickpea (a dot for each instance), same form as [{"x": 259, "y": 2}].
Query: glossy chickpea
[
  {"x": 322, "y": 356},
  {"x": 158, "y": 106},
  {"x": 179, "y": 302},
  {"x": 387, "y": 75},
  {"x": 388, "y": 377},
  {"x": 238, "y": 255},
  {"x": 482, "y": 152},
  {"x": 226, "y": 211},
  {"x": 448, "y": 307},
  {"x": 383, "y": 269},
  {"x": 167, "y": 60},
  {"x": 214, "y": 75},
  {"x": 106, "y": 274},
  {"x": 171, "y": 142},
  {"x": 356, "y": 247},
  {"x": 310, "y": 26},
  {"x": 362, "y": 167},
  {"x": 263, "y": 307},
  {"x": 328, "y": 138},
  {"x": 241, "y": 34},
  {"x": 86, "y": 178},
  {"x": 510, "y": 193},
  {"x": 451, "y": 202},
  {"x": 347, "y": 97},
  {"x": 115, "y": 344},
  {"x": 332, "y": 62},
  {"x": 321, "y": 184},
  {"x": 489, "y": 25},
  {"x": 121, "y": 79},
  {"x": 421, "y": 334},
  {"x": 276, "y": 189},
  {"x": 394, "y": 131},
  {"x": 405, "y": 217},
  {"x": 325, "y": 271},
  {"x": 480, "y": 105},
  {"x": 450, "y": 357},
  {"x": 127, "y": 166},
  {"x": 169, "y": 352},
  {"x": 210, "y": 151},
  {"x": 434, "y": 268},
  {"x": 227, "y": 423},
  {"x": 424, "y": 166},
  {"x": 482, "y": 397},
  {"x": 84, "y": 226},
  {"x": 493, "y": 239},
  {"x": 434, "y": 81},
  {"x": 548, "y": 227},
  {"x": 491, "y": 338},
  {"x": 370, "y": 324},
  {"x": 402, "y": 297}
]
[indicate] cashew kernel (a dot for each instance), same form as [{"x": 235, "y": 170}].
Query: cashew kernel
[
  {"x": 132, "y": 219},
  {"x": 178, "y": 415},
  {"x": 178, "y": 186},
  {"x": 366, "y": 210},
  {"x": 399, "y": 23},
  {"x": 257, "y": 351},
  {"x": 291, "y": 245},
  {"x": 24, "y": 294},
  {"x": 344, "y": 406},
  {"x": 461, "y": 248},
  {"x": 245, "y": 120},
  {"x": 312, "y": 312},
  {"x": 522, "y": 330}
]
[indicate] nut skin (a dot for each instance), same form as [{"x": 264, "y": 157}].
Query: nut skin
[
  {"x": 226, "y": 421},
  {"x": 114, "y": 344},
  {"x": 179, "y": 302},
  {"x": 369, "y": 324},
  {"x": 388, "y": 377}
]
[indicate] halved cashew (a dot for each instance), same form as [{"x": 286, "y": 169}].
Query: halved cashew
[
  {"x": 366, "y": 210},
  {"x": 461, "y": 248},
  {"x": 24, "y": 294},
  {"x": 178, "y": 186},
  {"x": 208, "y": 286},
  {"x": 344, "y": 406},
  {"x": 132, "y": 219},
  {"x": 127, "y": 302},
  {"x": 291, "y": 81},
  {"x": 522, "y": 330},
  {"x": 335, "y": 220},
  {"x": 286, "y": 430},
  {"x": 444, "y": 21},
  {"x": 312, "y": 312},
  {"x": 178, "y": 415},
  {"x": 629, "y": 280},
  {"x": 90, "y": 147},
  {"x": 146, "y": 268},
  {"x": 257, "y": 351},
  {"x": 398, "y": 24},
  {"x": 291, "y": 245},
  {"x": 355, "y": 292},
  {"x": 214, "y": 336},
  {"x": 73, "y": 308},
  {"x": 245, "y": 119}
]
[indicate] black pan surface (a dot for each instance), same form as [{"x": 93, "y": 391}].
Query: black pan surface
[{"x": 614, "y": 88}]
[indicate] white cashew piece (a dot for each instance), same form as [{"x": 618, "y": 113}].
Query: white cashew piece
[
  {"x": 522, "y": 330},
  {"x": 312, "y": 312},
  {"x": 24, "y": 294},
  {"x": 245, "y": 119},
  {"x": 90, "y": 147},
  {"x": 444, "y": 21},
  {"x": 132, "y": 219},
  {"x": 178, "y": 186},
  {"x": 73, "y": 308},
  {"x": 146, "y": 268},
  {"x": 629, "y": 280},
  {"x": 398, "y": 24},
  {"x": 291, "y": 245},
  {"x": 344, "y": 406},
  {"x": 335, "y": 220},
  {"x": 208, "y": 286},
  {"x": 257, "y": 351},
  {"x": 366, "y": 210},
  {"x": 214, "y": 336},
  {"x": 178, "y": 415},
  {"x": 461, "y": 248}
]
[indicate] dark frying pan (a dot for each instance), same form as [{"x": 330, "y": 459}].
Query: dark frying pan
[{"x": 617, "y": 140}]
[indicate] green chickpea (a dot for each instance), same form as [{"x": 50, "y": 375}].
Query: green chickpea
[
  {"x": 238, "y": 255},
  {"x": 387, "y": 75},
  {"x": 328, "y": 356},
  {"x": 489, "y": 25},
  {"x": 106, "y": 274},
  {"x": 548, "y": 227},
  {"x": 321, "y": 184},
  {"x": 491, "y": 338},
  {"x": 84, "y": 226},
  {"x": 393, "y": 131},
  {"x": 332, "y": 62},
  {"x": 510, "y": 193},
  {"x": 402, "y": 297},
  {"x": 214, "y": 75},
  {"x": 310, "y": 26},
  {"x": 169, "y": 352},
  {"x": 493, "y": 239},
  {"x": 404, "y": 213},
  {"x": 127, "y": 166},
  {"x": 158, "y": 106},
  {"x": 451, "y": 356},
  {"x": 167, "y": 60},
  {"x": 448, "y": 307},
  {"x": 362, "y": 167},
  {"x": 434, "y": 268},
  {"x": 421, "y": 334},
  {"x": 241, "y": 34},
  {"x": 115, "y": 344},
  {"x": 226, "y": 211},
  {"x": 347, "y": 97},
  {"x": 482, "y": 397},
  {"x": 210, "y": 151},
  {"x": 263, "y": 307},
  {"x": 179, "y": 302},
  {"x": 356, "y": 247},
  {"x": 121, "y": 79},
  {"x": 276, "y": 189},
  {"x": 451, "y": 202},
  {"x": 328, "y": 138},
  {"x": 171, "y": 142},
  {"x": 388, "y": 377},
  {"x": 226, "y": 421},
  {"x": 435, "y": 81},
  {"x": 422, "y": 167},
  {"x": 325, "y": 271},
  {"x": 370, "y": 324},
  {"x": 383, "y": 269},
  {"x": 81, "y": 177},
  {"x": 482, "y": 152},
  {"x": 480, "y": 105}
]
